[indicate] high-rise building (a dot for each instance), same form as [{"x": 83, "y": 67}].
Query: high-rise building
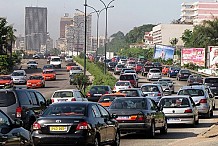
[
  {"x": 197, "y": 12},
  {"x": 66, "y": 20},
  {"x": 35, "y": 28}
]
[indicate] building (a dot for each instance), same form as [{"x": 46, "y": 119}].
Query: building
[
  {"x": 164, "y": 33},
  {"x": 19, "y": 43},
  {"x": 148, "y": 39},
  {"x": 101, "y": 42},
  {"x": 197, "y": 12},
  {"x": 66, "y": 20},
  {"x": 35, "y": 28}
]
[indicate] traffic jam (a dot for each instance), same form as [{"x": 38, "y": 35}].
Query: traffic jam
[{"x": 103, "y": 114}]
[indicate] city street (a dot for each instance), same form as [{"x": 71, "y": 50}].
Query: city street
[{"x": 175, "y": 133}]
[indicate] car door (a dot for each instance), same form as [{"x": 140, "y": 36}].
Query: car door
[
  {"x": 36, "y": 108},
  {"x": 8, "y": 136},
  {"x": 110, "y": 125}
]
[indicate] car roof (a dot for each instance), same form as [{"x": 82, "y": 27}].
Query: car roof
[
  {"x": 193, "y": 87},
  {"x": 20, "y": 70},
  {"x": 129, "y": 89},
  {"x": 67, "y": 90},
  {"x": 176, "y": 96},
  {"x": 122, "y": 81},
  {"x": 73, "y": 103},
  {"x": 150, "y": 84}
]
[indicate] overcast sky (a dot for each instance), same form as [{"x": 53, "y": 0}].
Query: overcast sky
[{"x": 125, "y": 15}]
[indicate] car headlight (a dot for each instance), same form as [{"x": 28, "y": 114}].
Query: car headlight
[{"x": 28, "y": 83}]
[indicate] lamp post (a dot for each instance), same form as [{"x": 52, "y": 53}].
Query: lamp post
[{"x": 105, "y": 45}]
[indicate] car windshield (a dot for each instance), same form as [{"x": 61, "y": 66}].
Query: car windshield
[
  {"x": 129, "y": 103},
  {"x": 129, "y": 71},
  {"x": 122, "y": 84},
  {"x": 185, "y": 71},
  {"x": 55, "y": 59},
  {"x": 17, "y": 74},
  {"x": 31, "y": 62},
  {"x": 35, "y": 77},
  {"x": 191, "y": 92},
  {"x": 149, "y": 88},
  {"x": 99, "y": 89},
  {"x": 65, "y": 110},
  {"x": 175, "y": 102},
  {"x": 130, "y": 93},
  {"x": 48, "y": 67},
  {"x": 126, "y": 77},
  {"x": 75, "y": 68},
  {"x": 63, "y": 94},
  {"x": 5, "y": 78},
  {"x": 48, "y": 72}
]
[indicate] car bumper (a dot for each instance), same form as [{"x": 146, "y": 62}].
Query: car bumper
[
  {"x": 133, "y": 127},
  {"x": 203, "y": 109},
  {"x": 34, "y": 86},
  {"x": 93, "y": 98},
  {"x": 183, "y": 119},
  {"x": 19, "y": 81}
]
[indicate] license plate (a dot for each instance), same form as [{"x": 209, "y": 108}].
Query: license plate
[
  {"x": 97, "y": 94},
  {"x": 213, "y": 87},
  {"x": 174, "y": 119},
  {"x": 176, "y": 71},
  {"x": 34, "y": 85},
  {"x": 123, "y": 118},
  {"x": 47, "y": 77},
  {"x": 185, "y": 75},
  {"x": 61, "y": 100},
  {"x": 58, "y": 128}
]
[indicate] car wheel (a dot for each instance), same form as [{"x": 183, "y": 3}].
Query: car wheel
[
  {"x": 116, "y": 140},
  {"x": 151, "y": 132},
  {"x": 96, "y": 142},
  {"x": 163, "y": 129}
]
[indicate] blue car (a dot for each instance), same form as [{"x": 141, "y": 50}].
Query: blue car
[{"x": 173, "y": 71}]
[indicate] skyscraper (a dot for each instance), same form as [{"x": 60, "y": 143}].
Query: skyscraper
[
  {"x": 35, "y": 28},
  {"x": 66, "y": 20}
]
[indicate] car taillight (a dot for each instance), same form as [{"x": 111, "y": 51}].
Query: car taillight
[
  {"x": 203, "y": 101},
  {"x": 88, "y": 94},
  {"x": 73, "y": 99},
  {"x": 52, "y": 100},
  {"x": 18, "y": 112},
  {"x": 188, "y": 111},
  {"x": 140, "y": 117},
  {"x": 82, "y": 125},
  {"x": 158, "y": 94},
  {"x": 36, "y": 126},
  {"x": 106, "y": 92}
]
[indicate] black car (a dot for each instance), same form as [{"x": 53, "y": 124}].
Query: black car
[
  {"x": 212, "y": 82},
  {"x": 22, "y": 104},
  {"x": 76, "y": 123},
  {"x": 194, "y": 80},
  {"x": 12, "y": 133},
  {"x": 111, "y": 66},
  {"x": 183, "y": 74},
  {"x": 138, "y": 114},
  {"x": 96, "y": 91}
]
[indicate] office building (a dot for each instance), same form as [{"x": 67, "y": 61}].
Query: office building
[{"x": 66, "y": 20}]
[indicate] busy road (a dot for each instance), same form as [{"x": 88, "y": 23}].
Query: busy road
[{"x": 175, "y": 133}]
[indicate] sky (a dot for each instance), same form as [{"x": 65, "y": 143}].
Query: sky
[{"x": 124, "y": 16}]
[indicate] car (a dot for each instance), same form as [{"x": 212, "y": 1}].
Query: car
[
  {"x": 122, "y": 61},
  {"x": 111, "y": 66},
  {"x": 22, "y": 104},
  {"x": 67, "y": 95},
  {"x": 19, "y": 77},
  {"x": 69, "y": 65},
  {"x": 134, "y": 115},
  {"x": 76, "y": 123},
  {"x": 124, "y": 69},
  {"x": 118, "y": 68},
  {"x": 132, "y": 92},
  {"x": 56, "y": 61},
  {"x": 47, "y": 66},
  {"x": 165, "y": 86},
  {"x": 129, "y": 77},
  {"x": 173, "y": 71},
  {"x": 154, "y": 74},
  {"x": 194, "y": 80},
  {"x": 131, "y": 72},
  {"x": 12, "y": 133},
  {"x": 170, "y": 82},
  {"x": 138, "y": 68},
  {"x": 72, "y": 76},
  {"x": 122, "y": 85},
  {"x": 131, "y": 64},
  {"x": 36, "y": 56},
  {"x": 96, "y": 91},
  {"x": 150, "y": 65},
  {"x": 68, "y": 58},
  {"x": 106, "y": 99},
  {"x": 6, "y": 81},
  {"x": 165, "y": 70},
  {"x": 212, "y": 82},
  {"x": 183, "y": 74},
  {"x": 199, "y": 95},
  {"x": 49, "y": 74},
  {"x": 179, "y": 109},
  {"x": 75, "y": 69},
  {"x": 32, "y": 64},
  {"x": 154, "y": 91},
  {"x": 36, "y": 81}
]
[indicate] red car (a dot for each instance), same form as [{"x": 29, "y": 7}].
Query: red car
[
  {"x": 6, "y": 81},
  {"x": 36, "y": 81},
  {"x": 138, "y": 68}
]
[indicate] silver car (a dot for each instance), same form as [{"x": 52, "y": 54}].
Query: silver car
[
  {"x": 19, "y": 77},
  {"x": 179, "y": 109},
  {"x": 165, "y": 86},
  {"x": 32, "y": 64},
  {"x": 154, "y": 74},
  {"x": 171, "y": 84},
  {"x": 199, "y": 95}
]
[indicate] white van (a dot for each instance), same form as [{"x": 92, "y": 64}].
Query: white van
[{"x": 55, "y": 61}]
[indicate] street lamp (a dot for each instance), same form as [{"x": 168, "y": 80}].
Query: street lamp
[{"x": 105, "y": 45}]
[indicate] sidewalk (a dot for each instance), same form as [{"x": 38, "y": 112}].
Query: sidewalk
[{"x": 211, "y": 132}]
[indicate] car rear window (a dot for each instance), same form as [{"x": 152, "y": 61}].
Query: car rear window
[
  {"x": 185, "y": 71},
  {"x": 191, "y": 92},
  {"x": 7, "y": 98},
  {"x": 179, "y": 102},
  {"x": 63, "y": 94},
  {"x": 126, "y": 77},
  {"x": 99, "y": 89},
  {"x": 149, "y": 88},
  {"x": 129, "y": 103},
  {"x": 211, "y": 80},
  {"x": 5, "y": 78},
  {"x": 130, "y": 93},
  {"x": 155, "y": 71},
  {"x": 122, "y": 83}
]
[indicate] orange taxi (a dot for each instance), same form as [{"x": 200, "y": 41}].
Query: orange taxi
[
  {"x": 49, "y": 74},
  {"x": 6, "y": 81},
  {"x": 36, "y": 81},
  {"x": 106, "y": 99},
  {"x": 165, "y": 70},
  {"x": 70, "y": 65}
]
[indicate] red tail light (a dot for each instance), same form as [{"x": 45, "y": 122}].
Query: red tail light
[
  {"x": 36, "y": 126},
  {"x": 188, "y": 111},
  {"x": 18, "y": 112},
  {"x": 158, "y": 94},
  {"x": 140, "y": 117},
  {"x": 52, "y": 100},
  {"x": 82, "y": 125},
  {"x": 88, "y": 94},
  {"x": 73, "y": 99},
  {"x": 203, "y": 101},
  {"x": 129, "y": 86},
  {"x": 106, "y": 92}
]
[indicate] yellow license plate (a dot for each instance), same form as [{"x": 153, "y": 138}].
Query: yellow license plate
[{"x": 58, "y": 128}]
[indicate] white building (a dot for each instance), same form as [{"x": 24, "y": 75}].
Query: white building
[{"x": 164, "y": 33}]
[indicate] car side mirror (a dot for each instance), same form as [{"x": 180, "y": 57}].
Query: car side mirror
[
  {"x": 18, "y": 123},
  {"x": 197, "y": 104},
  {"x": 114, "y": 116}
]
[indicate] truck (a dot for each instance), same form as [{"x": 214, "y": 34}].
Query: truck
[
  {"x": 109, "y": 55},
  {"x": 149, "y": 65}
]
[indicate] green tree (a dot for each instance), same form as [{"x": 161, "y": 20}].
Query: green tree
[{"x": 81, "y": 81}]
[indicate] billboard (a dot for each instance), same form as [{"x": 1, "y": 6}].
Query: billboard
[
  {"x": 164, "y": 52},
  {"x": 213, "y": 56},
  {"x": 193, "y": 55}
]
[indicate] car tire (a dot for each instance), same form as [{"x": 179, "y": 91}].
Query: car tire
[
  {"x": 117, "y": 139},
  {"x": 96, "y": 142},
  {"x": 163, "y": 129},
  {"x": 151, "y": 132}
]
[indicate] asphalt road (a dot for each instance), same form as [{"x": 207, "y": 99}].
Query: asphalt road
[{"x": 175, "y": 133}]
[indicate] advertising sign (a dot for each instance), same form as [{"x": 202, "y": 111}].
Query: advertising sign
[
  {"x": 193, "y": 55},
  {"x": 213, "y": 56},
  {"x": 164, "y": 52}
]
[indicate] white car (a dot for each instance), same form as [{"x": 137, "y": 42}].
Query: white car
[
  {"x": 131, "y": 72},
  {"x": 68, "y": 58},
  {"x": 122, "y": 85},
  {"x": 122, "y": 61},
  {"x": 154, "y": 74},
  {"x": 55, "y": 61},
  {"x": 19, "y": 77},
  {"x": 32, "y": 64},
  {"x": 75, "y": 69},
  {"x": 68, "y": 95}
]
